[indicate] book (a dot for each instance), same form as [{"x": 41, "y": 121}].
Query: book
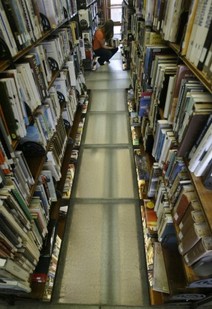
[
  {"x": 10, "y": 269},
  {"x": 43, "y": 64},
  {"x": 186, "y": 89},
  {"x": 169, "y": 96},
  {"x": 170, "y": 142},
  {"x": 193, "y": 214},
  {"x": 160, "y": 279},
  {"x": 185, "y": 198},
  {"x": 16, "y": 23},
  {"x": 203, "y": 131},
  {"x": 198, "y": 30},
  {"x": 202, "y": 249},
  {"x": 161, "y": 124},
  {"x": 172, "y": 19},
  {"x": 207, "y": 69},
  {"x": 34, "y": 62},
  {"x": 23, "y": 235},
  {"x": 28, "y": 82},
  {"x": 204, "y": 50},
  {"x": 201, "y": 149},
  {"x": 195, "y": 233},
  {"x": 204, "y": 162},
  {"x": 201, "y": 34},
  {"x": 191, "y": 18},
  {"x": 6, "y": 33},
  {"x": 192, "y": 132},
  {"x": 24, "y": 167},
  {"x": 14, "y": 209},
  {"x": 182, "y": 73},
  {"x": 49, "y": 10},
  {"x": 14, "y": 285},
  {"x": 34, "y": 135}
]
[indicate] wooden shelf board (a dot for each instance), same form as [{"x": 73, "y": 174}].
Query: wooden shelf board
[
  {"x": 205, "y": 197},
  {"x": 156, "y": 298}
]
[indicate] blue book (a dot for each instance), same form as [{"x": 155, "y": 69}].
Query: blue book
[
  {"x": 144, "y": 106},
  {"x": 33, "y": 135}
]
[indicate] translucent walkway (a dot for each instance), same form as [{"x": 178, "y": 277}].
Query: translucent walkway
[{"x": 103, "y": 253}]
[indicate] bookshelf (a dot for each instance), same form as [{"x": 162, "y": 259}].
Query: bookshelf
[
  {"x": 57, "y": 116},
  {"x": 156, "y": 36}
]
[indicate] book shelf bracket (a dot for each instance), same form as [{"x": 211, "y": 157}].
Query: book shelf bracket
[{"x": 45, "y": 22}]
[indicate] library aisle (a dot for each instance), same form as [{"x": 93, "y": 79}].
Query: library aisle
[{"x": 102, "y": 261}]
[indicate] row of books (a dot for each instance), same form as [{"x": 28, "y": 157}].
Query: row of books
[
  {"x": 195, "y": 238},
  {"x": 19, "y": 249},
  {"x": 45, "y": 116},
  {"x": 180, "y": 214},
  {"x": 186, "y": 103},
  {"x": 45, "y": 271},
  {"x": 163, "y": 16},
  {"x": 186, "y": 23},
  {"x": 25, "y": 218},
  {"x": 149, "y": 224},
  {"x": 166, "y": 148},
  {"x": 21, "y": 22}
]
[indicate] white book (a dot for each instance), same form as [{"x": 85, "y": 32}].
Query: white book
[
  {"x": 72, "y": 73},
  {"x": 169, "y": 96},
  {"x": 49, "y": 102},
  {"x": 169, "y": 140},
  {"x": 61, "y": 86},
  {"x": 198, "y": 28},
  {"x": 149, "y": 10},
  {"x": 50, "y": 117},
  {"x": 7, "y": 265},
  {"x": 48, "y": 9},
  {"x": 203, "y": 163},
  {"x": 20, "y": 92},
  {"x": 168, "y": 19},
  {"x": 36, "y": 29},
  {"x": 201, "y": 33},
  {"x": 50, "y": 184},
  {"x": 41, "y": 131},
  {"x": 28, "y": 18},
  {"x": 47, "y": 73},
  {"x": 25, "y": 70},
  {"x": 174, "y": 20},
  {"x": 51, "y": 48},
  {"x": 55, "y": 101},
  {"x": 203, "y": 146},
  {"x": 51, "y": 167}
]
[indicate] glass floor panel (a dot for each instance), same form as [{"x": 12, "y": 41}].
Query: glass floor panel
[
  {"x": 105, "y": 263},
  {"x": 108, "y": 84},
  {"x": 105, "y": 173},
  {"x": 107, "y": 128},
  {"x": 104, "y": 100}
]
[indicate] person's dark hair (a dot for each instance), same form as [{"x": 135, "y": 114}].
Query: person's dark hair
[{"x": 108, "y": 29}]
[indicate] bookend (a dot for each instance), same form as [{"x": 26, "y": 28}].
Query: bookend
[
  {"x": 32, "y": 149},
  {"x": 65, "y": 13},
  {"x": 4, "y": 51},
  {"x": 61, "y": 97},
  {"x": 53, "y": 64},
  {"x": 45, "y": 22},
  {"x": 66, "y": 124}
]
